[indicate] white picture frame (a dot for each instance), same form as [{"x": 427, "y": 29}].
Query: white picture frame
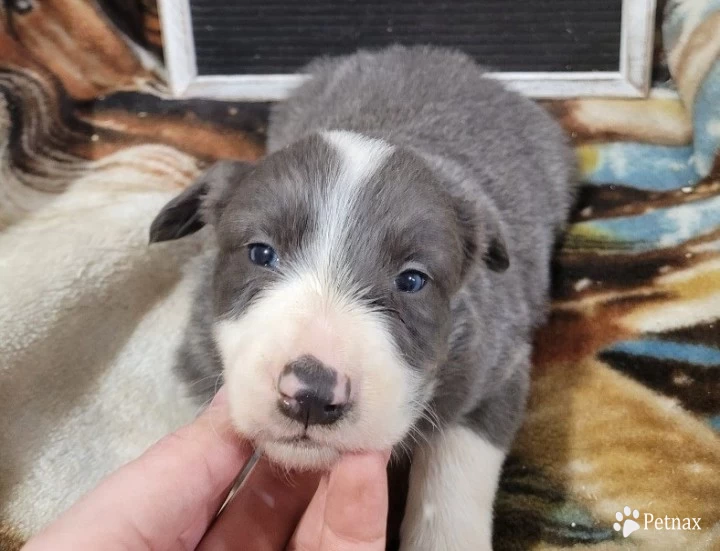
[{"x": 632, "y": 80}]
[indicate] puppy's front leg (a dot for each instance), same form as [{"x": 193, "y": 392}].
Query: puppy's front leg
[{"x": 453, "y": 480}]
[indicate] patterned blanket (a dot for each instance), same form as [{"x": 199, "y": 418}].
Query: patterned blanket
[{"x": 620, "y": 448}]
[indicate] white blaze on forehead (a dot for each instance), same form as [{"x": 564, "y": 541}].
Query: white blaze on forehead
[{"x": 360, "y": 158}]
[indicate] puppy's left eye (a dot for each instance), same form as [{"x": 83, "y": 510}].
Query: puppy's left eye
[
  {"x": 263, "y": 255},
  {"x": 410, "y": 281}
]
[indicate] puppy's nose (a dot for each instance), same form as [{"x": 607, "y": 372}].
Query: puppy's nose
[{"x": 312, "y": 393}]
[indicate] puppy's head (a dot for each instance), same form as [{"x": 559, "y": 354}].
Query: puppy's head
[{"x": 338, "y": 258}]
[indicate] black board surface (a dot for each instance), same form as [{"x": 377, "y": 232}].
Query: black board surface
[{"x": 239, "y": 37}]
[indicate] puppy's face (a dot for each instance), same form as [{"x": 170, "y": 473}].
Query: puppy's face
[{"x": 338, "y": 258}]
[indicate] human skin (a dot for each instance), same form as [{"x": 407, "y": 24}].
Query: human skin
[{"x": 167, "y": 499}]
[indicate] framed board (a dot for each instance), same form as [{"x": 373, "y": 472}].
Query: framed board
[{"x": 253, "y": 49}]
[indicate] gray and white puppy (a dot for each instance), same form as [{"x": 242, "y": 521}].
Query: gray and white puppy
[{"x": 378, "y": 276}]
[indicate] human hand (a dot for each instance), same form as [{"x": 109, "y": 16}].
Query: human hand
[{"x": 167, "y": 498}]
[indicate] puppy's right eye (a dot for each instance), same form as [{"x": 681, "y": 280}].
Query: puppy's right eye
[
  {"x": 263, "y": 255},
  {"x": 410, "y": 281}
]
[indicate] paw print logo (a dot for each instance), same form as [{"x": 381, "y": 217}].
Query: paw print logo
[{"x": 626, "y": 521}]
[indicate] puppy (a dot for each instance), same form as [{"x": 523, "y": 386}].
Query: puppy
[{"x": 375, "y": 280}]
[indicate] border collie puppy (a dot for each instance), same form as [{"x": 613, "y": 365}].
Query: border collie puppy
[{"x": 375, "y": 280}]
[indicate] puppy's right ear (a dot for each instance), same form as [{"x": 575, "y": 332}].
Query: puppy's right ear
[{"x": 199, "y": 203}]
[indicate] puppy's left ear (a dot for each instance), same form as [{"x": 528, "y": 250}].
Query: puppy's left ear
[
  {"x": 199, "y": 204},
  {"x": 483, "y": 234}
]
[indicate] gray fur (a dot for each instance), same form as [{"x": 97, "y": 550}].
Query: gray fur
[{"x": 480, "y": 175}]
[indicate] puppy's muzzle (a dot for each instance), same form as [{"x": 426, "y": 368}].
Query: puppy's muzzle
[{"x": 313, "y": 393}]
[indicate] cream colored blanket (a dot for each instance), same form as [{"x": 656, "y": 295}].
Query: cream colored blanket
[{"x": 89, "y": 319}]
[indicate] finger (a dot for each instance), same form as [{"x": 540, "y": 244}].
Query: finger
[
  {"x": 353, "y": 510},
  {"x": 309, "y": 530},
  {"x": 356, "y": 506},
  {"x": 264, "y": 513},
  {"x": 165, "y": 499}
]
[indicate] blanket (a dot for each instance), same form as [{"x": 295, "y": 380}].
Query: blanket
[{"x": 620, "y": 447}]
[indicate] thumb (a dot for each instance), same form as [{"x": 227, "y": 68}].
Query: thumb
[
  {"x": 353, "y": 505},
  {"x": 165, "y": 499}
]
